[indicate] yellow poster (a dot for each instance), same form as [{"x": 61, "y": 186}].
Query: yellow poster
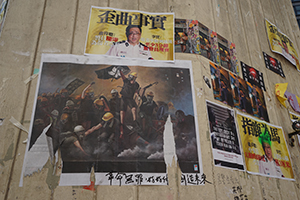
[
  {"x": 264, "y": 147},
  {"x": 130, "y": 33},
  {"x": 282, "y": 44},
  {"x": 280, "y": 89}
]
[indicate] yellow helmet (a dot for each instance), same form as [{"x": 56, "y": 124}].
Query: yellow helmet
[
  {"x": 89, "y": 90},
  {"x": 44, "y": 99},
  {"x": 170, "y": 104},
  {"x": 107, "y": 116},
  {"x": 134, "y": 74},
  {"x": 98, "y": 102},
  {"x": 150, "y": 94},
  {"x": 64, "y": 116},
  {"x": 63, "y": 90}
]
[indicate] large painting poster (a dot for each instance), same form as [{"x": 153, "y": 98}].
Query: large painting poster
[
  {"x": 110, "y": 114},
  {"x": 224, "y": 138},
  {"x": 130, "y": 33},
  {"x": 281, "y": 44},
  {"x": 264, "y": 147}
]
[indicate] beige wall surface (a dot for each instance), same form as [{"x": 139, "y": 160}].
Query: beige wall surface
[{"x": 59, "y": 26}]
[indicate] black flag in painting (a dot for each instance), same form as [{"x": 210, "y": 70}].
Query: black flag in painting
[
  {"x": 73, "y": 85},
  {"x": 112, "y": 72}
]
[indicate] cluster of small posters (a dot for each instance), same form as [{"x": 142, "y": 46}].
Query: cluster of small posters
[
  {"x": 224, "y": 137},
  {"x": 264, "y": 147},
  {"x": 281, "y": 44},
  {"x": 193, "y": 37},
  {"x": 86, "y": 92},
  {"x": 234, "y": 91},
  {"x": 273, "y": 64},
  {"x": 108, "y": 33}
]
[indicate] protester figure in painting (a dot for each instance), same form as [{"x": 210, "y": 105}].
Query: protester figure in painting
[
  {"x": 115, "y": 103},
  {"x": 100, "y": 108},
  {"x": 107, "y": 133},
  {"x": 183, "y": 41},
  {"x": 132, "y": 47},
  {"x": 53, "y": 131},
  {"x": 267, "y": 164},
  {"x": 69, "y": 117},
  {"x": 61, "y": 99},
  {"x": 129, "y": 90},
  {"x": 73, "y": 143},
  {"x": 146, "y": 111},
  {"x": 87, "y": 106}
]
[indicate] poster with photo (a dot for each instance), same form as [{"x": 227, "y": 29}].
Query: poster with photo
[
  {"x": 225, "y": 60},
  {"x": 224, "y": 137},
  {"x": 281, "y": 44},
  {"x": 205, "y": 45},
  {"x": 181, "y": 36},
  {"x": 221, "y": 84},
  {"x": 253, "y": 76},
  {"x": 193, "y": 37},
  {"x": 273, "y": 64},
  {"x": 111, "y": 114},
  {"x": 233, "y": 57},
  {"x": 258, "y": 102},
  {"x": 241, "y": 99},
  {"x": 264, "y": 148},
  {"x": 130, "y": 33}
]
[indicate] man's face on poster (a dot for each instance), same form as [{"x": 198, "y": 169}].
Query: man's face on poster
[
  {"x": 134, "y": 36},
  {"x": 268, "y": 151}
]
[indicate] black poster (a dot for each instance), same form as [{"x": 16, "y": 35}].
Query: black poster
[
  {"x": 253, "y": 76},
  {"x": 273, "y": 64}
]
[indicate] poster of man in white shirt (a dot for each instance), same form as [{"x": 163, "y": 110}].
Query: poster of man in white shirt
[
  {"x": 132, "y": 47},
  {"x": 268, "y": 165}
]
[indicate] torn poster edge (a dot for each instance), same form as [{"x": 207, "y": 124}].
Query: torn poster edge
[
  {"x": 42, "y": 159},
  {"x": 31, "y": 124}
]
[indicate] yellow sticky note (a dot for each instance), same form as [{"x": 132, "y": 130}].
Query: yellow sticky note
[
  {"x": 298, "y": 99},
  {"x": 280, "y": 89}
]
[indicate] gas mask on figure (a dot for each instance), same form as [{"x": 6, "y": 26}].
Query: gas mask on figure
[{"x": 149, "y": 99}]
